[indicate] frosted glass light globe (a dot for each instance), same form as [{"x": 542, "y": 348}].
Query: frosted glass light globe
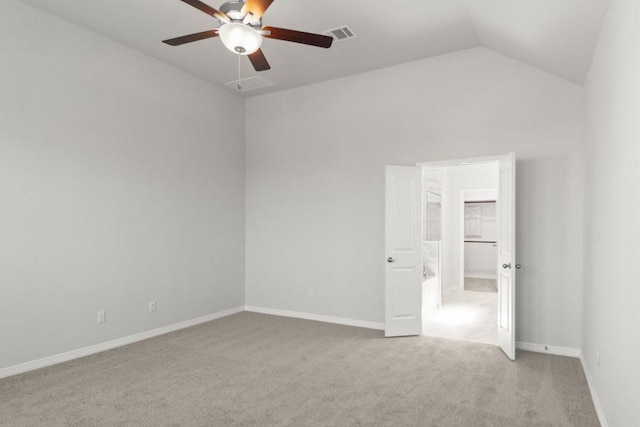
[{"x": 240, "y": 38}]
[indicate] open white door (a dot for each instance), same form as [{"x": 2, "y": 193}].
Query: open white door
[
  {"x": 403, "y": 246},
  {"x": 507, "y": 255}
]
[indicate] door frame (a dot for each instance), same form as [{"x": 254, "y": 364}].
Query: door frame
[{"x": 460, "y": 162}]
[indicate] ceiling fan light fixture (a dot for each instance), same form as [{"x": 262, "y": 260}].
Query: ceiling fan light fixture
[{"x": 240, "y": 38}]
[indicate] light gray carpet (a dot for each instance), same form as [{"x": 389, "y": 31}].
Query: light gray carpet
[
  {"x": 258, "y": 370},
  {"x": 480, "y": 285}
]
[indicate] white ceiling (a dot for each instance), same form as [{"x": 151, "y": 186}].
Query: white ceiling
[{"x": 557, "y": 36}]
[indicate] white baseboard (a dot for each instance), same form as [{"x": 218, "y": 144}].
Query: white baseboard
[
  {"x": 549, "y": 349},
  {"x": 316, "y": 317},
  {"x": 594, "y": 393},
  {"x": 97, "y": 348}
]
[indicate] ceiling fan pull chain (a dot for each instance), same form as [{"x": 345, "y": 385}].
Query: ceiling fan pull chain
[{"x": 238, "y": 82}]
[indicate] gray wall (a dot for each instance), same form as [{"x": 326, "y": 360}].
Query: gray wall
[
  {"x": 121, "y": 181},
  {"x": 315, "y": 181},
  {"x": 612, "y": 228}
]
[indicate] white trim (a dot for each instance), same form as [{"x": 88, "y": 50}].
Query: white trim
[
  {"x": 97, "y": 348},
  {"x": 594, "y": 393},
  {"x": 316, "y": 317},
  {"x": 548, "y": 349},
  {"x": 461, "y": 162}
]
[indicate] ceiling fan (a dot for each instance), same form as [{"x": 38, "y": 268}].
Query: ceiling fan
[{"x": 241, "y": 30}]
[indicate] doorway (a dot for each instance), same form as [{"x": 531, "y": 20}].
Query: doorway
[
  {"x": 413, "y": 282},
  {"x": 467, "y": 308}
]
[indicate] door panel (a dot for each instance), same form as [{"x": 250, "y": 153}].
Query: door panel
[
  {"x": 505, "y": 294},
  {"x": 403, "y": 292},
  {"x": 403, "y": 251},
  {"x": 506, "y": 256}
]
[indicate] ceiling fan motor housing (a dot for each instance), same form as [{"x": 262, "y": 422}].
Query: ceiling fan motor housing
[{"x": 233, "y": 10}]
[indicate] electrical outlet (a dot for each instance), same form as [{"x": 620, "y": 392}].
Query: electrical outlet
[
  {"x": 102, "y": 317},
  {"x": 310, "y": 293},
  {"x": 153, "y": 306}
]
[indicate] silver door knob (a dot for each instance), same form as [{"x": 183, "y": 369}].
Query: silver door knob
[
  {"x": 518, "y": 266},
  {"x": 506, "y": 266},
  {"x": 390, "y": 259}
]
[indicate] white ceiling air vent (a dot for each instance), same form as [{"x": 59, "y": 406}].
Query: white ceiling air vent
[
  {"x": 341, "y": 34},
  {"x": 249, "y": 84}
]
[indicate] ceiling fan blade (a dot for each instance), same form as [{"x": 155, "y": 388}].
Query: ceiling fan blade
[
  {"x": 256, "y": 7},
  {"x": 207, "y": 9},
  {"x": 191, "y": 38},
  {"x": 311, "y": 39},
  {"x": 259, "y": 61}
]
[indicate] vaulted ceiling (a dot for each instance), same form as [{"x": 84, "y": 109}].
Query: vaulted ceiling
[{"x": 557, "y": 36}]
